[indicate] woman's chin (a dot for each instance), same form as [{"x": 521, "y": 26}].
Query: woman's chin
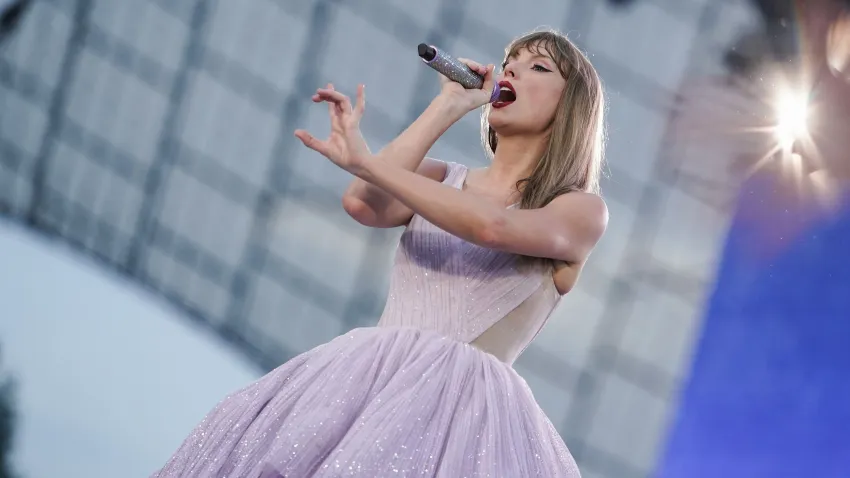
[{"x": 499, "y": 124}]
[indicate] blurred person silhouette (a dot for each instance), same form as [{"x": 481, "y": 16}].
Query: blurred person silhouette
[
  {"x": 803, "y": 48},
  {"x": 485, "y": 256},
  {"x": 825, "y": 26},
  {"x": 777, "y": 122}
]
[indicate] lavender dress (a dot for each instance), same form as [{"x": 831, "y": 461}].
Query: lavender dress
[{"x": 428, "y": 392}]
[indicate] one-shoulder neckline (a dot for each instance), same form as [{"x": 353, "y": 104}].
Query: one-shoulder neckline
[{"x": 461, "y": 185}]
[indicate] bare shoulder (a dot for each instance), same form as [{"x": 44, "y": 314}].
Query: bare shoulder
[
  {"x": 583, "y": 218},
  {"x": 583, "y": 199},
  {"x": 584, "y": 210}
]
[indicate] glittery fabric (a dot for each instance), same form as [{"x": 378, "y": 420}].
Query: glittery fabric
[{"x": 410, "y": 397}]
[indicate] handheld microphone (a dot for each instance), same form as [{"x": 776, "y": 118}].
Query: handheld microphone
[{"x": 453, "y": 69}]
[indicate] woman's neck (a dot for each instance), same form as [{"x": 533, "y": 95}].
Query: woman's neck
[{"x": 515, "y": 159}]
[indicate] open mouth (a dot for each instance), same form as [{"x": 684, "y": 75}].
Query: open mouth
[{"x": 507, "y": 95}]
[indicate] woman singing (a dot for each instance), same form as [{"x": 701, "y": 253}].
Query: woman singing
[{"x": 484, "y": 258}]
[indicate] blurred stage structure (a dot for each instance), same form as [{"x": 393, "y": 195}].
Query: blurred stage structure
[{"x": 156, "y": 137}]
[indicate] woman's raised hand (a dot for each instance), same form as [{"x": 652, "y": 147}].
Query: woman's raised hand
[
  {"x": 470, "y": 99},
  {"x": 345, "y": 145}
]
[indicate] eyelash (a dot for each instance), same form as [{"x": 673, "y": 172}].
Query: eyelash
[{"x": 533, "y": 67}]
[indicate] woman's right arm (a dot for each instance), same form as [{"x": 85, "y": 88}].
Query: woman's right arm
[{"x": 372, "y": 206}]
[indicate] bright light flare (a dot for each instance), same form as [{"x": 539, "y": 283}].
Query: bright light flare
[{"x": 792, "y": 117}]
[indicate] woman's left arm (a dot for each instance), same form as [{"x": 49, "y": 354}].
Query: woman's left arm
[{"x": 566, "y": 229}]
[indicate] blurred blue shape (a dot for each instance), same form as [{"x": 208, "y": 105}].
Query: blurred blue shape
[{"x": 769, "y": 392}]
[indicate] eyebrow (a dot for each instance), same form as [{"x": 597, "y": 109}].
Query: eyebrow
[{"x": 533, "y": 57}]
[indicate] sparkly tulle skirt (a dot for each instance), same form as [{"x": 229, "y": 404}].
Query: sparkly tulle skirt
[{"x": 378, "y": 402}]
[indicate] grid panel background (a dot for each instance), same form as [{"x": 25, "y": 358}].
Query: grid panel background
[{"x": 156, "y": 137}]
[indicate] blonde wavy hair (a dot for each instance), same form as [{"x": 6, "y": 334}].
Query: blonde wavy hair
[{"x": 576, "y": 145}]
